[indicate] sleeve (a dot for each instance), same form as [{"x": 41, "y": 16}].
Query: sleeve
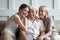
[
  {"x": 42, "y": 27},
  {"x": 51, "y": 22},
  {"x": 14, "y": 16}
]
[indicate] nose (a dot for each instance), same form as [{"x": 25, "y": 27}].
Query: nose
[{"x": 40, "y": 12}]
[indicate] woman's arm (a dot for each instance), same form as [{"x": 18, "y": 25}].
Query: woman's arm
[
  {"x": 25, "y": 22},
  {"x": 43, "y": 34},
  {"x": 50, "y": 24},
  {"x": 42, "y": 31},
  {"x": 48, "y": 33},
  {"x": 21, "y": 25},
  {"x": 23, "y": 35}
]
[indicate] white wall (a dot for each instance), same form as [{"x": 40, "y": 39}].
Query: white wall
[{"x": 10, "y": 7}]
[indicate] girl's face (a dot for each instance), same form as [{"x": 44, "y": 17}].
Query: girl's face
[
  {"x": 42, "y": 12},
  {"x": 25, "y": 11}
]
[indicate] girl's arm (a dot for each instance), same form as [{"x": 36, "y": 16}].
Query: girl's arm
[{"x": 21, "y": 25}]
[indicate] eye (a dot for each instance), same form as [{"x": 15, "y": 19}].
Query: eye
[
  {"x": 25, "y": 10},
  {"x": 41, "y": 10}
]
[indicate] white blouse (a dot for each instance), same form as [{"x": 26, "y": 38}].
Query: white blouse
[{"x": 35, "y": 27}]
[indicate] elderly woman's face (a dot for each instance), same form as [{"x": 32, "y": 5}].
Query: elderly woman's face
[{"x": 32, "y": 12}]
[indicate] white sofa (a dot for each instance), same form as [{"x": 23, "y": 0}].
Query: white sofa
[{"x": 57, "y": 24}]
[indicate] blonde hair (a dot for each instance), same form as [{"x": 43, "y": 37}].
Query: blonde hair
[{"x": 44, "y": 8}]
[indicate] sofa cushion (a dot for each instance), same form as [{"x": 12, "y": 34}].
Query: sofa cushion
[{"x": 57, "y": 24}]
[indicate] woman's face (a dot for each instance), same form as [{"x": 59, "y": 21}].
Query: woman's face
[
  {"x": 32, "y": 12},
  {"x": 25, "y": 11},
  {"x": 42, "y": 12}
]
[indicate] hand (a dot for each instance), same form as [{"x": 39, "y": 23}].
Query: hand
[
  {"x": 24, "y": 16},
  {"x": 40, "y": 38}
]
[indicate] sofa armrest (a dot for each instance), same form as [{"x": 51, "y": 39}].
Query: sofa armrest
[{"x": 2, "y": 26}]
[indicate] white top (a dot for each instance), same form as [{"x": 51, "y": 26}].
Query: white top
[
  {"x": 35, "y": 27},
  {"x": 11, "y": 25}
]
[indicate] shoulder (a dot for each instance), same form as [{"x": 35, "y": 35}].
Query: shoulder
[
  {"x": 50, "y": 18},
  {"x": 39, "y": 20},
  {"x": 15, "y": 16}
]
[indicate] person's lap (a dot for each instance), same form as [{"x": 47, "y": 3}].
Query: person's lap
[
  {"x": 55, "y": 37},
  {"x": 7, "y": 36}
]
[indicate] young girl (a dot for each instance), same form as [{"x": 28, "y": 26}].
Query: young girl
[
  {"x": 18, "y": 19},
  {"x": 50, "y": 29}
]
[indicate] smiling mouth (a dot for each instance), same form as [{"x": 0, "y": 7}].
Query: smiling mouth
[{"x": 25, "y": 14}]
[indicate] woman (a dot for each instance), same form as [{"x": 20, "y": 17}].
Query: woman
[
  {"x": 34, "y": 25},
  {"x": 18, "y": 19},
  {"x": 50, "y": 29}
]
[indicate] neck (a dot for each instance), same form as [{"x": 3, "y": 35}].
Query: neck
[
  {"x": 32, "y": 19},
  {"x": 43, "y": 18},
  {"x": 20, "y": 14}
]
